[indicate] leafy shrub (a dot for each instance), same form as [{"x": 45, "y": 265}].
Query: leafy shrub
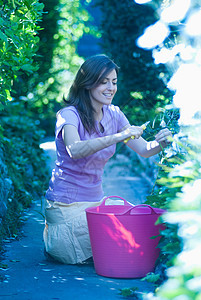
[
  {"x": 21, "y": 179},
  {"x": 21, "y": 138},
  {"x": 176, "y": 191},
  {"x": 18, "y": 41},
  {"x": 141, "y": 90},
  {"x": 25, "y": 163},
  {"x": 29, "y": 98},
  {"x": 179, "y": 184},
  {"x": 64, "y": 23}
]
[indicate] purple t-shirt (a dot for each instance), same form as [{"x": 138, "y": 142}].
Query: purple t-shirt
[{"x": 77, "y": 180}]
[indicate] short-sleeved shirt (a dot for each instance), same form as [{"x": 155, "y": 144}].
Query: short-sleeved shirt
[{"x": 78, "y": 180}]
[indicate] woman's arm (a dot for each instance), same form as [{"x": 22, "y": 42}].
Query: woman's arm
[
  {"x": 148, "y": 149},
  {"x": 79, "y": 149}
]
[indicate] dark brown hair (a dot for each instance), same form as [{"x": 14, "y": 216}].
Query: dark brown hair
[{"x": 90, "y": 75}]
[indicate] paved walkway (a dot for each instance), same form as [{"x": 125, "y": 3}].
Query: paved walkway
[{"x": 26, "y": 273}]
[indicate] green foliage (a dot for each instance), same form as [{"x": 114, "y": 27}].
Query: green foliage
[
  {"x": 165, "y": 189},
  {"x": 18, "y": 41},
  {"x": 130, "y": 293},
  {"x": 11, "y": 222},
  {"x": 48, "y": 55},
  {"x": 64, "y": 23},
  {"x": 178, "y": 184},
  {"x": 22, "y": 155},
  {"x": 164, "y": 117},
  {"x": 19, "y": 135},
  {"x": 151, "y": 277},
  {"x": 184, "y": 203},
  {"x": 25, "y": 163},
  {"x": 175, "y": 173},
  {"x": 141, "y": 90},
  {"x": 36, "y": 65}
]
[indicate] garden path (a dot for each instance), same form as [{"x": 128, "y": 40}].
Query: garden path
[{"x": 26, "y": 274}]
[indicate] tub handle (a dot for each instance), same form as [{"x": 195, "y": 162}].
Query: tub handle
[
  {"x": 145, "y": 205},
  {"x": 125, "y": 202}
]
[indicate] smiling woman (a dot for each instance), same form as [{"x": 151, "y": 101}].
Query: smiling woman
[
  {"x": 95, "y": 84},
  {"x": 87, "y": 131}
]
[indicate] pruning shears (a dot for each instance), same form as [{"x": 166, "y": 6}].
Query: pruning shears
[{"x": 143, "y": 126}]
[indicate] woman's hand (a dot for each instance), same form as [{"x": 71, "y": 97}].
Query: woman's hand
[
  {"x": 141, "y": 146},
  {"x": 164, "y": 137},
  {"x": 134, "y": 132}
]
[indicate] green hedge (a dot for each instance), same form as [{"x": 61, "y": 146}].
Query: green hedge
[
  {"x": 37, "y": 57},
  {"x": 141, "y": 91},
  {"x": 18, "y": 41},
  {"x": 24, "y": 165},
  {"x": 23, "y": 175},
  {"x": 64, "y": 23}
]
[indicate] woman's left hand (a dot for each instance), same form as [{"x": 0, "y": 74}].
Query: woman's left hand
[{"x": 164, "y": 136}]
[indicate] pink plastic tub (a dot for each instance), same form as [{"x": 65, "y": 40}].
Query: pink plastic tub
[{"x": 121, "y": 241}]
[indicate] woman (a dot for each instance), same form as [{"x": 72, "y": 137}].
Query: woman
[{"x": 87, "y": 131}]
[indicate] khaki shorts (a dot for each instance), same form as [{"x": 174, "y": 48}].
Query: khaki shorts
[{"x": 66, "y": 235}]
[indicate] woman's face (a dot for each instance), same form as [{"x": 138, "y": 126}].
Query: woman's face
[{"x": 105, "y": 91}]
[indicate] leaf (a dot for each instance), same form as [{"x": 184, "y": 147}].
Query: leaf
[
  {"x": 155, "y": 236},
  {"x": 129, "y": 292},
  {"x": 14, "y": 260},
  {"x": 2, "y": 107},
  {"x": 38, "y": 5},
  {"x": 151, "y": 277},
  {"x": 27, "y": 67},
  {"x": 3, "y": 37},
  {"x": 8, "y": 95},
  {"x": 3, "y": 266},
  {"x": 1, "y": 21}
]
